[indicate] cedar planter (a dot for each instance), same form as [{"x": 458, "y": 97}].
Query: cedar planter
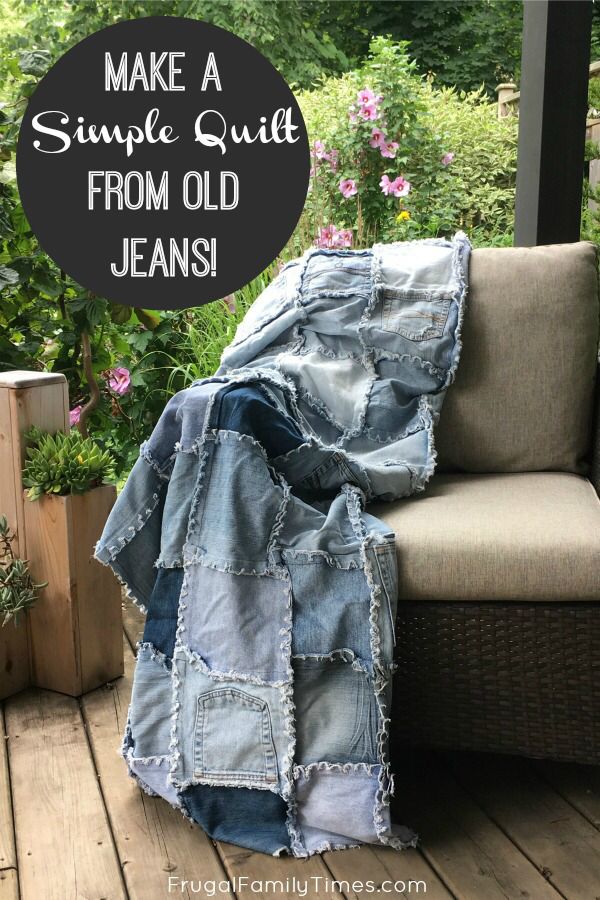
[
  {"x": 14, "y": 657},
  {"x": 75, "y": 626},
  {"x": 71, "y": 639}
]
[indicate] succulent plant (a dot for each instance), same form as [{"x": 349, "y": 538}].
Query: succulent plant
[
  {"x": 17, "y": 590},
  {"x": 64, "y": 464}
]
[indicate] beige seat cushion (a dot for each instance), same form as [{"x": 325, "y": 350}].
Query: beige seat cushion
[
  {"x": 498, "y": 537},
  {"x": 523, "y": 395}
]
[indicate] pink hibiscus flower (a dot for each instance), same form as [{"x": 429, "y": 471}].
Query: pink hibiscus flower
[
  {"x": 74, "y": 415},
  {"x": 330, "y": 237},
  {"x": 348, "y": 187},
  {"x": 447, "y": 159},
  {"x": 398, "y": 187},
  {"x": 377, "y": 138},
  {"x": 369, "y": 112},
  {"x": 230, "y": 304},
  {"x": 388, "y": 149},
  {"x": 366, "y": 96},
  {"x": 119, "y": 380}
]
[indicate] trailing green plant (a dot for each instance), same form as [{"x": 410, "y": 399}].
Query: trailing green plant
[
  {"x": 64, "y": 464},
  {"x": 17, "y": 591}
]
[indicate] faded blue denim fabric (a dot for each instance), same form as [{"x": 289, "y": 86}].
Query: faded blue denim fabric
[{"x": 262, "y": 691}]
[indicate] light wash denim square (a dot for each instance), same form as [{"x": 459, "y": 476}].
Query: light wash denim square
[
  {"x": 323, "y": 382},
  {"x": 331, "y": 608},
  {"x": 151, "y": 702},
  {"x": 325, "y": 815},
  {"x": 229, "y": 733},
  {"x": 336, "y": 712},
  {"x": 153, "y": 777},
  {"x": 235, "y": 622}
]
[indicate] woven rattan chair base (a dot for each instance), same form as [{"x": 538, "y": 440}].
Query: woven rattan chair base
[{"x": 519, "y": 678}]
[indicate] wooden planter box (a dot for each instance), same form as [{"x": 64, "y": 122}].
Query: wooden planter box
[
  {"x": 75, "y": 627},
  {"x": 14, "y": 657}
]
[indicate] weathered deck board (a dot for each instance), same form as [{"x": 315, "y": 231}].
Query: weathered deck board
[
  {"x": 8, "y": 856},
  {"x": 242, "y": 863},
  {"x": 542, "y": 824},
  {"x": 153, "y": 840},
  {"x": 579, "y": 785},
  {"x": 64, "y": 844},
  {"x": 133, "y": 623},
  {"x": 382, "y": 864},
  {"x": 9, "y": 884},
  {"x": 472, "y": 855}
]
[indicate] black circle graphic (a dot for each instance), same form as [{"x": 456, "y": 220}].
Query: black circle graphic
[{"x": 181, "y": 110}]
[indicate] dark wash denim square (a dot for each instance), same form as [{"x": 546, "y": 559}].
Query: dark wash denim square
[
  {"x": 248, "y": 410},
  {"x": 161, "y": 620},
  {"x": 250, "y": 818}
]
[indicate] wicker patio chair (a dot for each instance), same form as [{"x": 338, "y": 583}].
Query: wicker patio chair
[{"x": 498, "y": 630}]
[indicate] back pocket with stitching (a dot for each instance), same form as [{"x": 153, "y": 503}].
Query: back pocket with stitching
[
  {"x": 416, "y": 315},
  {"x": 233, "y": 738}
]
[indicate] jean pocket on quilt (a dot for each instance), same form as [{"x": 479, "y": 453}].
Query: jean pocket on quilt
[
  {"x": 415, "y": 315},
  {"x": 233, "y": 739}
]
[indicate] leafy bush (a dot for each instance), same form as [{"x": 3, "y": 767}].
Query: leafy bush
[
  {"x": 64, "y": 464},
  {"x": 17, "y": 590},
  {"x": 384, "y": 122}
]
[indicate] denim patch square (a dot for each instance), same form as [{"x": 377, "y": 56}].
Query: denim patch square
[
  {"x": 336, "y": 712},
  {"x": 331, "y": 607},
  {"x": 336, "y": 807},
  {"x": 153, "y": 778},
  {"x": 253, "y": 819},
  {"x": 250, "y": 715},
  {"x": 225, "y": 532},
  {"x": 161, "y": 617},
  {"x": 235, "y": 622},
  {"x": 324, "y": 383},
  {"x": 151, "y": 701}
]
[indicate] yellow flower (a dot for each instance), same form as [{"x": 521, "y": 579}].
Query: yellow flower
[
  {"x": 403, "y": 216},
  {"x": 80, "y": 459}
]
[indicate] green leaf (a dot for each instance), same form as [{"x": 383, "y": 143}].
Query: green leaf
[
  {"x": 8, "y": 277},
  {"x": 34, "y": 62}
]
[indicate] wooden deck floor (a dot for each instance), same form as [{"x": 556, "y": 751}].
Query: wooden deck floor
[{"x": 73, "y": 826}]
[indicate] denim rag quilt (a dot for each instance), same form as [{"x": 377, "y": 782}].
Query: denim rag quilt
[{"x": 262, "y": 689}]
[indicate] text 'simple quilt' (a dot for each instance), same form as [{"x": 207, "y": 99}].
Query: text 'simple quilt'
[{"x": 262, "y": 688}]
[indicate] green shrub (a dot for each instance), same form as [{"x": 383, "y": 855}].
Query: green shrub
[
  {"x": 17, "y": 590},
  {"x": 458, "y": 158},
  {"x": 64, "y": 464}
]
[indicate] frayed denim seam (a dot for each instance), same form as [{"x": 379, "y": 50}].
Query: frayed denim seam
[
  {"x": 360, "y": 768},
  {"x": 155, "y": 654},
  {"x": 343, "y": 654},
  {"x": 106, "y": 554},
  {"x": 328, "y": 352},
  {"x": 198, "y": 663},
  {"x": 176, "y": 563},
  {"x": 154, "y": 464},
  {"x": 382, "y": 795},
  {"x": 306, "y": 557},
  {"x": 355, "y": 500},
  {"x": 460, "y": 257},
  {"x": 287, "y": 688},
  {"x": 358, "y": 428},
  {"x": 297, "y": 844},
  {"x": 200, "y": 558},
  {"x": 127, "y": 589},
  {"x": 319, "y": 407},
  {"x": 382, "y": 355}
]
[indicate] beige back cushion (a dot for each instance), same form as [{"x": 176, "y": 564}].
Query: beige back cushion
[{"x": 523, "y": 395}]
